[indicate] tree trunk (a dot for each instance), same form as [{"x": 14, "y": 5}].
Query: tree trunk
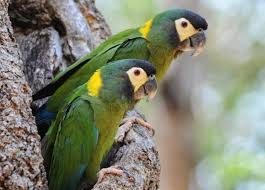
[
  {"x": 20, "y": 154},
  {"x": 51, "y": 35}
]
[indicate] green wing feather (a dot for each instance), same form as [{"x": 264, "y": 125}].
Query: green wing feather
[
  {"x": 131, "y": 48},
  {"x": 104, "y": 47},
  {"x": 108, "y": 47},
  {"x": 77, "y": 132}
]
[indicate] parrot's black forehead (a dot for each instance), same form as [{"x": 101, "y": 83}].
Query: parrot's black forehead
[
  {"x": 127, "y": 64},
  {"x": 145, "y": 65},
  {"x": 196, "y": 20}
]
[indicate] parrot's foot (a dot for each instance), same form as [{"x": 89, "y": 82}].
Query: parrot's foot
[
  {"x": 111, "y": 170},
  {"x": 126, "y": 125}
]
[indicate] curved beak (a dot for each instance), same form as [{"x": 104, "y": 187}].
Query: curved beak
[
  {"x": 195, "y": 43},
  {"x": 149, "y": 89}
]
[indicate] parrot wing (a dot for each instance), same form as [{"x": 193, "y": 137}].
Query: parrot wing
[
  {"x": 75, "y": 140},
  {"x": 135, "y": 48},
  {"x": 111, "y": 44}
]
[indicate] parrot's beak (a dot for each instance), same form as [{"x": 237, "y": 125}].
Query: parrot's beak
[
  {"x": 195, "y": 43},
  {"x": 149, "y": 89}
]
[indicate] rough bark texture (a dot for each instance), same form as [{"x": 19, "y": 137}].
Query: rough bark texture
[
  {"x": 53, "y": 34},
  {"x": 20, "y": 156}
]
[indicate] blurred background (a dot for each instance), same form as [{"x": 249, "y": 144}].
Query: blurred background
[{"x": 209, "y": 114}]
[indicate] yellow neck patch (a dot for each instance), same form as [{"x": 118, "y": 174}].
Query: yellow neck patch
[
  {"x": 146, "y": 28},
  {"x": 94, "y": 84}
]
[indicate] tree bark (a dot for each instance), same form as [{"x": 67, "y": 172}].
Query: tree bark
[
  {"x": 20, "y": 154},
  {"x": 51, "y": 35}
]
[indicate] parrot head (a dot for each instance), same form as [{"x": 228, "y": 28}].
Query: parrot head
[
  {"x": 126, "y": 80},
  {"x": 180, "y": 29}
]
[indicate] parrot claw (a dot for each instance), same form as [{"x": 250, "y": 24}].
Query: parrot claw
[
  {"x": 126, "y": 125},
  {"x": 111, "y": 170}
]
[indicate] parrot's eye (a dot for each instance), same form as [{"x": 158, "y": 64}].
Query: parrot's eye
[
  {"x": 184, "y": 24},
  {"x": 137, "y": 72},
  {"x": 200, "y": 29},
  {"x": 152, "y": 76}
]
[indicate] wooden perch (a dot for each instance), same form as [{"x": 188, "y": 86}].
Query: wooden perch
[{"x": 50, "y": 39}]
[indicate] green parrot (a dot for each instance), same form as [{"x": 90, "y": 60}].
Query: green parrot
[
  {"x": 84, "y": 129},
  {"x": 158, "y": 41}
]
